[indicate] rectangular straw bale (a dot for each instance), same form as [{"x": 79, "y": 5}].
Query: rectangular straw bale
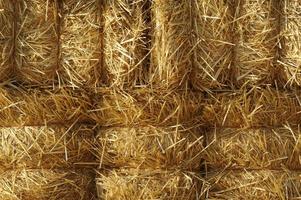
[
  {"x": 149, "y": 184},
  {"x": 256, "y": 34},
  {"x": 6, "y": 39},
  {"x": 151, "y": 147},
  {"x": 53, "y": 147},
  {"x": 258, "y": 107},
  {"x": 80, "y": 42},
  {"x": 43, "y": 184},
  {"x": 213, "y": 48},
  {"x": 144, "y": 107},
  {"x": 291, "y": 38},
  {"x": 126, "y": 42},
  {"x": 41, "y": 107},
  {"x": 253, "y": 148},
  {"x": 257, "y": 184},
  {"x": 36, "y": 48},
  {"x": 171, "y": 43}
]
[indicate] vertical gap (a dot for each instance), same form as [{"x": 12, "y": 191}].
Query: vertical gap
[
  {"x": 101, "y": 72},
  {"x": 59, "y": 15},
  {"x": 14, "y": 31},
  {"x": 193, "y": 39},
  {"x": 146, "y": 9}
]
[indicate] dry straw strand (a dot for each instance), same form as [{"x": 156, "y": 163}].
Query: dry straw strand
[
  {"x": 291, "y": 37},
  {"x": 46, "y": 185},
  {"x": 258, "y": 184},
  {"x": 171, "y": 45},
  {"x": 54, "y": 147},
  {"x": 125, "y": 42},
  {"x": 256, "y": 26},
  {"x": 36, "y": 41},
  {"x": 262, "y": 148},
  {"x": 149, "y": 184},
  {"x": 151, "y": 147},
  {"x": 213, "y": 48},
  {"x": 80, "y": 43}
]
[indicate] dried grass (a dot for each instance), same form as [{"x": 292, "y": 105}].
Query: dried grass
[
  {"x": 80, "y": 42},
  {"x": 258, "y": 184},
  {"x": 6, "y": 39},
  {"x": 37, "y": 41},
  {"x": 151, "y": 147},
  {"x": 41, "y": 107},
  {"x": 171, "y": 46},
  {"x": 46, "y": 185},
  {"x": 154, "y": 184},
  {"x": 256, "y": 34},
  {"x": 213, "y": 48},
  {"x": 144, "y": 107},
  {"x": 258, "y": 107},
  {"x": 55, "y": 147},
  {"x": 125, "y": 42},
  {"x": 254, "y": 148},
  {"x": 291, "y": 28}
]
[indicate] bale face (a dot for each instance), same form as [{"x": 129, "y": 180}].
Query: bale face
[
  {"x": 212, "y": 63},
  {"x": 154, "y": 184},
  {"x": 259, "y": 184},
  {"x": 151, "y": 147},
  {"x": 171, "y": 46},
  {"x": 256, "y": 34},
  {"x": 253, "y": 148},
  {"x": 262, "y": 107},
  {"x": 146, "y": 107},
  {"x": 125, "y": 42},
  {"x": 46, "y": 185},
  {"x": 36, "y": 48},
  {"x": 80, "y": 43},
  {"x": 40, "y": 107},
  {"x": 46, "y": 147},
  {"x": 6, "y": 39},
  {"x": 291, "y": 28}
]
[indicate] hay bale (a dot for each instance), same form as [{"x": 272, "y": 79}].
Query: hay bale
[
  {"x": 6, "y": 39},
  {"x": 213, "y": 45},
  {"x": 54, "y": 147},
  {"x": 257, "y": 29},
  {"x": 291, "y": 48},
  {"x": 145, "y": 107},
  {"x": 258, "y": 184},
  {"x": 34, "y": 107},
  {"x": 253, "y": 148},
  {"x": 258, "y": 107},
  {"x": 171, "y": 46},
  {"x": 149, "y": 184},
  {"x": 125, "y": 42},
  {"x": 151, "y": 147},
  {"x": 80, "y": 42},
  {"x": 36, "y": 47},
  {"x": 46, "y": 185}
]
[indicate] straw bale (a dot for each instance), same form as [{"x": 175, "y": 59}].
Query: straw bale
[
  {"x": 256, "y": 34},
  {"x": 258, "y": 107},
  {"x": 80, "y": 42},
  {"x": 54, "y": 147},
  {"x": 143, "y": 107},
  {"x": 171, "y": 45},
  {"x": 151, "y": 147},
  {"x": 6, "y": 39},
  {"x": 41, "y": 107},
  {"x": 291, "y": 49},
  {"x": 36, "y": 41},
  {"x": 253, "y": 148},
  {"x": 257, "y": 184},
  {"x": 149, "y": 184},
  {"x": 125, "y": 42},
  {"x": 46, "y": 185},
  {"x": 213, "y": 48}
]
